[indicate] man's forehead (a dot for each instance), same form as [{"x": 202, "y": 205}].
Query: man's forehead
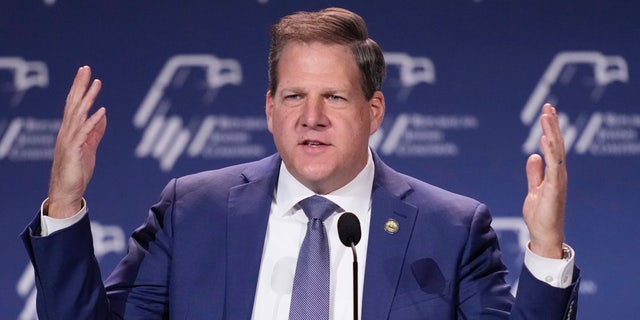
[
  {"x": 299, "y": 44},
  {"x": 346, "y": 66}
]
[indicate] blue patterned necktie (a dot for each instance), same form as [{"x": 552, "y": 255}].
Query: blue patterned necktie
[{"x": 310, "y": 295}]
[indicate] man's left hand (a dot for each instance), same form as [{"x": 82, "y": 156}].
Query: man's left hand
[{"x": 544, "y": 205}]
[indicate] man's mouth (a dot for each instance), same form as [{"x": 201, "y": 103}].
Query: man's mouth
[{"x": 312, "y": 143}]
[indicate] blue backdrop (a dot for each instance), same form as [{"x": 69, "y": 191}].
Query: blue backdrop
[{"x": 187, "y": 80}]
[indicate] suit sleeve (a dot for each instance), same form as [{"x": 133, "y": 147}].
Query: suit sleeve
[
  {"x": 538, "y": 300},
  {"x": 68, "y": 278},
  {"x": 484, "y": 294}
]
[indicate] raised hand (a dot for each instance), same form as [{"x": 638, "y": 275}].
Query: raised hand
[
  {"x": 544, "y": 205},
  {"x": 75, "y": 153}
]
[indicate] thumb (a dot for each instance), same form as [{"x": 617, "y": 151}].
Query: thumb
[{"x": 535, "y": 171}]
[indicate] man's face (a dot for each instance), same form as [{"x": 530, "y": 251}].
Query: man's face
[{"x": 319, "y": 117}]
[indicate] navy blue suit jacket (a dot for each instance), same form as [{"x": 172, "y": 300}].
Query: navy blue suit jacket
[{"x": 198, "y": 255}]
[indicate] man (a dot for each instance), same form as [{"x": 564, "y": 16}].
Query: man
[{"x": 223, "y": 244}]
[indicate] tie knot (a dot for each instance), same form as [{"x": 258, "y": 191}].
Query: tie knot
[{"x": 317, "y": 207}]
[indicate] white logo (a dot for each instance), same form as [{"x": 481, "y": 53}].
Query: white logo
[
  {"x": 416, "y": 134},
  {"x": 25, "y": 75},
  {"x": 25, "y": 138},
  {"x": 597, "y": 133},
  {"x": 168, "y": 136},
  {"x": 106, "y": 239},
  {"x": 421, "y": 135},
  {"x": 411, "y": 72},
  {"x": 29, "y": 139}
]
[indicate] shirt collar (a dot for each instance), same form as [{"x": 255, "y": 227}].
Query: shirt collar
[{"x": 290, "y": 191}]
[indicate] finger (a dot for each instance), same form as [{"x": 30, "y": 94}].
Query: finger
[
  {"x": 554, "y": 122},
  {"x": 87, "y": 101},
  {"x": 96, "y": 134},
  {"x": 535, "y": 172},
  {"x": 78, "y": 87},
  {"x": 551, "y": 143},
  {"x": 69, "y": 122},
  {"x": 76, "y": 111},
  {"x": 92, "y": 130},
  {"x": 555, "y": 172}
]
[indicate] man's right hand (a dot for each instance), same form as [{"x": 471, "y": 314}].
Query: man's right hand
[{"x": 75, "y": 153}]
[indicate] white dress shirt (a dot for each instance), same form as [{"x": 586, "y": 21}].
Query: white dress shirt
[{"x": 285, "y": 233}]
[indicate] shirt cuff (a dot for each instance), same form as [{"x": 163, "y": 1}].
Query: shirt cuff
[
  {"x": 50, "y": 225},
  {"x": 555, "y": 272}
]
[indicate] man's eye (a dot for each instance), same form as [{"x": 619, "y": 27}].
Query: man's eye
[
  {"x": 292, "y": 97},
  {"x": 336, "y": 98}
]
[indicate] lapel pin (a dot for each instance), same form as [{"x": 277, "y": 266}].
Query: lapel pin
[{"x": 391, "y": 226}]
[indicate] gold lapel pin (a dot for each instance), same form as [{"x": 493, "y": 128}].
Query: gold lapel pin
[{"x": 391, "y": 226}]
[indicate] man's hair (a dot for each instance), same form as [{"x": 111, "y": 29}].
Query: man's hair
[{"x": 330, "y": 26}]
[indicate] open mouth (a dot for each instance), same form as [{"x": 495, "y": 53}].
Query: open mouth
[{"x": 312, "y": 143}]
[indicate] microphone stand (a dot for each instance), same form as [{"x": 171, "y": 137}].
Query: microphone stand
[{"x": 355, "y": 282}]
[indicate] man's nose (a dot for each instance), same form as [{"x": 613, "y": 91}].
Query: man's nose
[{"x": 314, "y": 113}]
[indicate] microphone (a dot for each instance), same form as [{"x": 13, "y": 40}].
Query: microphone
[
  {"x": 349, "y": 229},
  {"x": 350, "y": 234}
]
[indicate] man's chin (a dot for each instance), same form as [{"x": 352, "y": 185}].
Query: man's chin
[{"x": 319, "y": 180}]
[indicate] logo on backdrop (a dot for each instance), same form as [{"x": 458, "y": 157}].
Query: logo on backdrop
[
  {"x": 411, "y": 72},
  {"x": 594, "y": 131},
  {"x": 413, "y": 134},
  {"x": 172, "y": 129},
  {"x": 421, "y": 135},
  {"x": 24, "y": 75},
  {"x": 106, "y": 239},
  {"x": 24, "y": 138}
]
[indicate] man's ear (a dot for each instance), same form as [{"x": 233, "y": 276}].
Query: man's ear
[
  {"x": 377, "y": 106},
  {"x": 268, "y": 110}
]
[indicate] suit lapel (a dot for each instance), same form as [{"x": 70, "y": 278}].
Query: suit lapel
[
  {"x": 386, "y": 250},
  {"x": 248, "y": 215}
]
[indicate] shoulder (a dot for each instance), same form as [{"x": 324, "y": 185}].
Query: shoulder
[
  {"x": 440, "y": 203},
  {"x": 221, "y": 180},
  {"x": 432, "y": 202}
]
